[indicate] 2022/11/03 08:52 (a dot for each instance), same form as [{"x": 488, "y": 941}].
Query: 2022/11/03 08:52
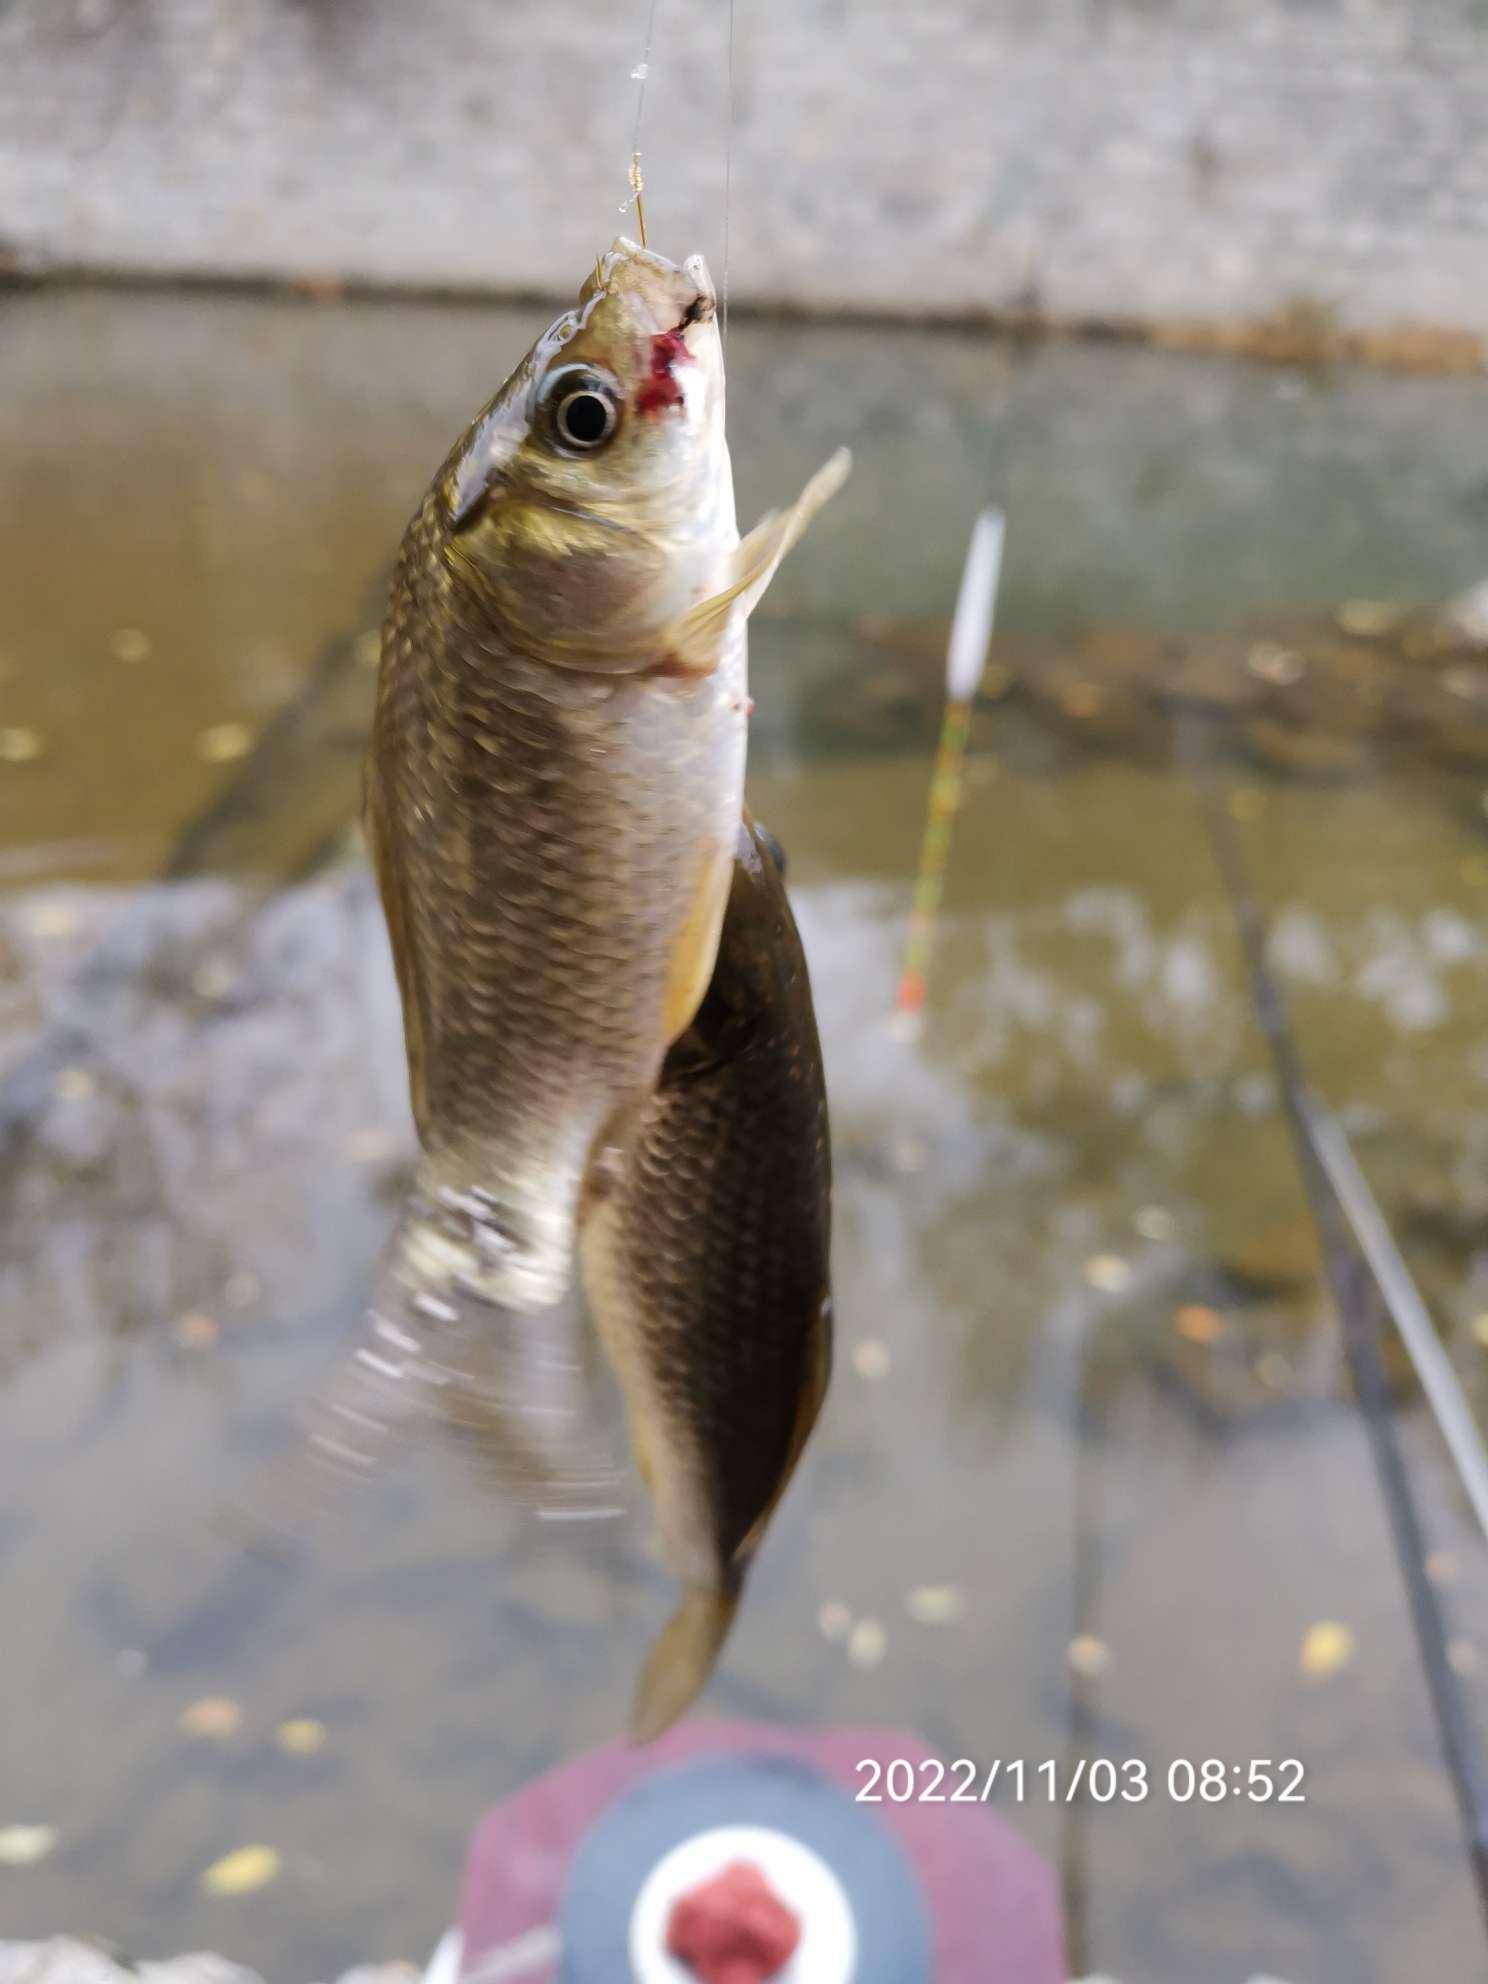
[{"x": 1057, "y": 1781}]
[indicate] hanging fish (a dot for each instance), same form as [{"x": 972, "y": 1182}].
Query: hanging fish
[
  {"x": 557, "y": 762},
  {"x": 554, "y": 790},
  {"x": 705, "y": 1236}
]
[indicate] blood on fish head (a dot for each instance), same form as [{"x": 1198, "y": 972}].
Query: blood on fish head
[{"x": 662, "y": 388}]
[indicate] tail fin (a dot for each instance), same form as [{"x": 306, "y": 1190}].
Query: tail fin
[
  {"x": 514, "y": 1386},
  {"x": 678, "y": 1665}
]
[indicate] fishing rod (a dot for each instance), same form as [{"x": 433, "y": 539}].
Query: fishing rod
[
  {"x": 1365, "y": 1271},
  {"x": 1433, "y": 1367}
]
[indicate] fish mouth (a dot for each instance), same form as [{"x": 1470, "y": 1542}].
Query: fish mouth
[
  {"x": 676, "y": 295},
  {"x": 666, "y": 305},
  {"x": 704, "y": 307}
]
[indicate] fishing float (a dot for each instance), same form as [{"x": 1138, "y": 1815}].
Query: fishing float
[{"x": 966, "y": 662}]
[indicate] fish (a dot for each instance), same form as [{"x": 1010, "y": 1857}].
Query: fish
[
  {"x": 704, "y": 1243},
  {"x": 553, "y": 790},
  {"x": 555, "y": 776}
]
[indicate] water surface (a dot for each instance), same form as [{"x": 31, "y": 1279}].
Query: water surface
[{"x": 1089, "y": 1389}]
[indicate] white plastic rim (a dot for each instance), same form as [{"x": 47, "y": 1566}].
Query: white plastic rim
[{"x": 828, "y": 1949}]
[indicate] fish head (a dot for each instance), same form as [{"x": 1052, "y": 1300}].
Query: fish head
[
  {"x": 592, "y": 502},
  {"x": 648, "y": 329}
]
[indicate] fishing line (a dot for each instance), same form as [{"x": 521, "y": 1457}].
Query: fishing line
[
  {"x": 1357, "y": 1294},
  {"x": 639, "y": 75},
  {"x": 728, "y": 175}
]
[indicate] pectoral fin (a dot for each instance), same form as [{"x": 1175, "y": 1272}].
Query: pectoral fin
[{"x": 695, "y": 641}]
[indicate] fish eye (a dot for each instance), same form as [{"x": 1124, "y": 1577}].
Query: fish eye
[{"x": 583, "y": 410}]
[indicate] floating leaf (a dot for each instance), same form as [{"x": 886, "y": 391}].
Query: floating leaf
[
  {"x": 1327, "y": 1647},
  {"x": 129, "y": 644},
  {"x": 23, "y": 1846},
  {"x": 1108, "y": 1272},
  {"x": 243, "y": 1871},
  {"x": 19, "y": 745},
  {"x": 1198, "y": 1323},
  {"x": 871, "y": 1359},
  {"x": 867, "y": 1643},
  {"x": 301, "y": 1736},
  {"x": 1088, "y": 1656},
  {"x": 223, "y": 742},
  {"x": 1275, "y": 664},
  {"x": 1369, "y": 619},
  {"x": 217, "y": 1717},
  {"x": 936, "y": 1604}
]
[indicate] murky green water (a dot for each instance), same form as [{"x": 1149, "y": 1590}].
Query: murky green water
[{"x": 1089, "y": 1389}]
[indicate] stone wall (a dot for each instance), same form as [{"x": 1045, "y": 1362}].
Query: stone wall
[{"x": 1144, "y": 159}]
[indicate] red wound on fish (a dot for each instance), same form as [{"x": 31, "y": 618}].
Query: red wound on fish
[{"x": 661, "y": 389}]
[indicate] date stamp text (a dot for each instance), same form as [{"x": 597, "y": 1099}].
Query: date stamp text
[{"x": 1066, "y": 1780}]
